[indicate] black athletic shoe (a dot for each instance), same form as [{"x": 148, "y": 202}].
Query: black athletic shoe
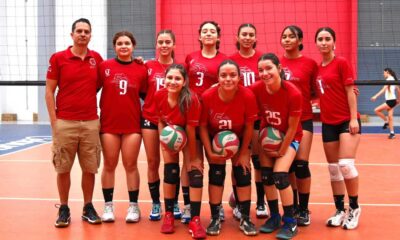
[
  {"x": 248, "y": 228},
  {"x": 288, "y": 230},
  {"x": 90, "y": 215},
  {"x": 303, "y": 218},
  {"x": 214, "y": 228},
  {"x": 64, "y": 216},
  {"x": 392, "y": 136},
  {"x": 385, "y": 125}
]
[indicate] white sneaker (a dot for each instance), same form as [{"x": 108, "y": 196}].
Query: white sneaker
[
  {"x": 108, "y": 214},
  {"x": 236, "y": 213},
  {"x": 262, "y": 211},
  {"x": 221, "y": 213},
  {"x": 351, "y": 221},
  {"x": 186, "y": 216},
  {"x": 133, "y": 214},
  {"x": 337, "y": 219}
]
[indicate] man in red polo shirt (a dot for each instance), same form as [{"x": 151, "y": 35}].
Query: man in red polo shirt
[{"x": 74, "y": 121}]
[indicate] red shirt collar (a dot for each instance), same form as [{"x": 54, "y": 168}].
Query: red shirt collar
[{"x": 71, "y": 55}]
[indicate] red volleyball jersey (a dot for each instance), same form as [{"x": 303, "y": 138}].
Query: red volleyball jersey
[
  {"x": 248, "y": 68},
  {"x": 302, "y": 72},
  {"x": 275, "y": 109},
  {"x": 203, "y": 71},
  {"x": 218, "y": 115},
  {"x": 173, "y": 116},
  {"x": 155, "y": 82},
  {"x": 77, "y": 84},
  {"x": 331, "y": 82},
  {"x": 119, "y": 102}
]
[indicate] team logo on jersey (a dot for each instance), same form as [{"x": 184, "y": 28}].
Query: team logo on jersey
[
  {"x": 198, "y": 67},
  {"x": 220, "y": 116},
  {"x": 49, "y": 68},
  {"x": 149, "y": 71},
  {"x": 92, "y": 62},
  {"x": 107, "y": 72},
  {"x": 288, "y": 73}
]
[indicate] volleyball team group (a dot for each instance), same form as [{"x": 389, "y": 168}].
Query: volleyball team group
[{"x": 208, "y": 93}]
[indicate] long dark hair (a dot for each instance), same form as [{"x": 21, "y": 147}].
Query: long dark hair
[
  {"x": 297, "y": 31},
  {"x": 218, "y": 32},
  {"x": 329, "y": 30},
  {"x": 172, "y": 35},
  {"x": 185, "y": 96},
  {"x": 275, "y": 60},
  {"x": 238, "y": 33},
  {"x": 391, "y": 72},
  {"x": 124, "y": 34}
]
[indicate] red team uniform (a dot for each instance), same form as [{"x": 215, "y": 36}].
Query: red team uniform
[
  {"x": 276, "y": 109},
  {"x": 155, "y": 82},
  {"x": 302, "y": 72},
  {"x": 120, "y": 103},
  {"x": 331, "y": 82},
  {"x": 203, "y": 72},
  {"x": 218, "y": 115},
  {"x": 248, "y": 68},
  {"x": 173, "y": 116},
  {"x": 77, "y": 84}
]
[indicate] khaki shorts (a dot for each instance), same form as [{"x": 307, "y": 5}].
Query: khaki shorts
[{"x": 76, "y": 137}]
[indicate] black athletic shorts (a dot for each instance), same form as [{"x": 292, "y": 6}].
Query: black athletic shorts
[
  {"x": 308, "y": 125},
  {"x": 391, "y": 103},
  {"x": 331, "y": 133},
  {"x": 146, "y": 124},
  {"x": 257, "y": 124}
]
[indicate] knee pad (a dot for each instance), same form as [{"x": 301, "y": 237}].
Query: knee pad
[
  {"x": 266, "y": 176},
  {"x": 171, "y": 173},
  {"x": 195, "y": 179},
  {"x": 281, "y": 180},
  {"x": 242, "y": 179},
  {"x": 216, "y": 175},
  {"x": 256, "y": 162},
  {"x": 334, "y": 172},
  {"x": 347, "y": 168},
  {"x": 301, "y": 169}
]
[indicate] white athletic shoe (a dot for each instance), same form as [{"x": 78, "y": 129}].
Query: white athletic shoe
[
  {"x": 262, "y": 211},
  {"x": 186, "y": 216},
  {"x": 236, "y": 213},
  {"x": 351, "y": 220},
  {"x": 108, "y": 214},
  {"x": 337, "y": 219},
  {"x": 133, "y": 214}
]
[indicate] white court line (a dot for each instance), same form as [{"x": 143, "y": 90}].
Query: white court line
[
  {"x": 149, "y": 201},
  {"x": 24, "y": 149},
  {"x": 228, "y": 163}
]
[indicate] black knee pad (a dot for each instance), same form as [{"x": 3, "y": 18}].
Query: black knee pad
[
  {"x": 292, "y": 168},
  {"x": 266, "y": 176},
  {"x": 302, "y": 169},
  {"x": 256, "y": 162},
  {"x": 171, "y": 173},
  {"x": 242, "y": 179},
  {"x": 195, "y": 179},
  {"x": 281, "y": 180},
  {"x": 216, "y": 175}
]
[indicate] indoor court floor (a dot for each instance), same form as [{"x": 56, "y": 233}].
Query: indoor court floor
[{"x": 28, "y": 194}]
